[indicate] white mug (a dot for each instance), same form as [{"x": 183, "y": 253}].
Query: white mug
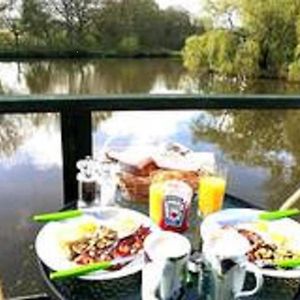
[
  {"x": 226, "y": 258},
  {"x": 164, "y": 272},
  {"x": 229, "y": 285}
]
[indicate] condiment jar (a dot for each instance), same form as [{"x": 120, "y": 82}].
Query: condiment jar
[
  {"x": 170, "y": 204},
  {"x": 88, "y": 189}
]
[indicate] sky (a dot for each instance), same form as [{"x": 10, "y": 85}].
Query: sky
[{"x": 193, "y": 6}]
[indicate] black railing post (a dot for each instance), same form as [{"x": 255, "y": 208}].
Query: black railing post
[{"x": 76, "y": 133}]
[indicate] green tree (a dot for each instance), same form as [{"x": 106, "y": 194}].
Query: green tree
[
  {"x": 247, "y": 58},
  {"x": 195, "y": 54},
  {"x": 10, "y": 19},
  {"x": 36, "y": 23},
  {"x": 175, "y": 27},
  {"x": 272, "y": 24},
  {"x": 142, "y": 20},
  {"x": 143, "y": 17},
  {"x": 266, "y": 31},
  {"x": 129, "y": 45},
  {"x": 117, "y": 20},
  {"x": 107, "y": 24},
  {"x": 75, "y": 18},
  {"x": 214, "y": 51},
  {"x": 127, "y": 26}
]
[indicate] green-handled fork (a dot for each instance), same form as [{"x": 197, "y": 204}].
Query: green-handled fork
[
  {"x": 262, "y": 216},
  {"x": 282, "y": 264},
  {"x": 68, "y": 214},
  {"x": 86, "y": 269}
]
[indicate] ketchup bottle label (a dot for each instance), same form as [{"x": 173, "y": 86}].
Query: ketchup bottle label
[
  {"x": 176, "y": 204},
  {"x": 174, "y": 211}
]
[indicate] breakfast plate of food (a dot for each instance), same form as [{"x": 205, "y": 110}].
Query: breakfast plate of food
[
  {"x": 273, "y": 246},
  {"x": 111, "y": 234}
]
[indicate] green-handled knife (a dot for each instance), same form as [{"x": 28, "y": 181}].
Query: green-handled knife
[
  {"x": 263, "y": 216},
  {"x": 278, "y": 214},
  {"x": 282, "y": 264},
  {"x": 86, "y": 269},
  {"x": 287, "y": 263},
  {"x": 62, "y": 215},
  {"x": 57, "y": 216}
]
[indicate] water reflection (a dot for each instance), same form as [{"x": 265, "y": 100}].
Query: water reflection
[
  {"x": 261, "y": 148},
  {"x": 99, "y": 118},
  {"x": 266, "y": 139},
  {"x": 122, "y": 76},
  {"x": 141, "y": 128},
  {"x": 31, "y": 182},
  {"x": 30, "y": 137},
  {"x": 90, "y": 76}
]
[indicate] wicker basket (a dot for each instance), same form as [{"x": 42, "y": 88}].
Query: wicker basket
[{"x": 136, "y": 188}]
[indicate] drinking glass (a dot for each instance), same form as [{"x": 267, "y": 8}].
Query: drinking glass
[{"x": 211, "y": 191}]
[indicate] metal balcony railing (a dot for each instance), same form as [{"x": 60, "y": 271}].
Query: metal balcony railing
[{"x": 76, "y": 121}]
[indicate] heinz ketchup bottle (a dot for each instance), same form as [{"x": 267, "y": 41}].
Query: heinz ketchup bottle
[{"x": 175, "y": 205}]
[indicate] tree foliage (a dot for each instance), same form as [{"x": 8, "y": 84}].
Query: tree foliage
[
  {"x": 128, "y": 26},
  {"x": 175, "y": 27},
  {"x": 129, "y": 45},
  {"x": 74, "y": 16},
  {"x": 35, "y": 20},
  {"x": 213, "y": 51},
  {"x": 142, "y": 19},
  {"x": 267, "y": 35}
]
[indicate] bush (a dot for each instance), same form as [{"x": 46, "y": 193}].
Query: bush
[
  {"x": 294, "y": 71},
  {"x": 213, "y": 51},
  {"x": 129, "y": 45},
  {"x": 195, "y": 55},
  {"x": 247, "y": 59},
  {"x": 6, "y": 40}
]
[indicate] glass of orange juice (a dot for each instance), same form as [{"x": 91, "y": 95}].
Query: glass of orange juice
[
  {"x": 156, "y": 195},
  {"x": 211, "y": 192}
]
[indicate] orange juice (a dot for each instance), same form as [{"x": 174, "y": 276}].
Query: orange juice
[
  {"x": 211, "y": 194},
  {"x": 156, "y": 198}
]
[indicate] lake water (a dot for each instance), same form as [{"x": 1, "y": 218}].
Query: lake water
[{"x": 260, "y": 148}]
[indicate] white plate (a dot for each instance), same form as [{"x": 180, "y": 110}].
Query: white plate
[
  {"x": 52, "y": 255},
  {"x": 287, "y": 225}
]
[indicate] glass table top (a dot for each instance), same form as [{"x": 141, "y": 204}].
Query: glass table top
[{"x": 129, "y": 288}]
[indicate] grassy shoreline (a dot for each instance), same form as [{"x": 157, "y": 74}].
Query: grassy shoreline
[{"x": 9, "y": 55}]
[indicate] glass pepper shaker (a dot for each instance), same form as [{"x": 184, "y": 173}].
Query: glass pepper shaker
[
  {"x": 88, "y": 190},
  {"x": 88, "y": 183}
]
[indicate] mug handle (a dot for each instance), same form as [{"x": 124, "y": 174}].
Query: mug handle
[{"x": 258, "y": 278}]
